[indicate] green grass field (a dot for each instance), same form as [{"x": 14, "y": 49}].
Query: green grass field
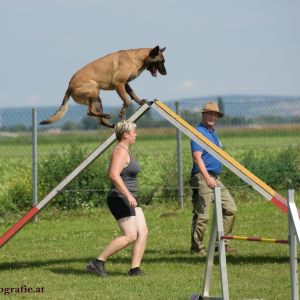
[
  {"x": 232, "y": 138},
  {"x": 52, "y": 255}
]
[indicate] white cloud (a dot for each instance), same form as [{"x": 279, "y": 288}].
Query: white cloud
[{"x": 187, "y": 86}]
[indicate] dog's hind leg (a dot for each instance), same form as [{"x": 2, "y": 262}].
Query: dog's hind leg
[
  {"x": 96, "y": 110},
  {"x": 133, "y": 96},
  {"x": 102, "y": 121},
  {"x": 122, "y": 93}
]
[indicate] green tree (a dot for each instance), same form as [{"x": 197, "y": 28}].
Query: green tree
[
  {"x": 221, "y": 104},
  {"x": 69, "y": 126},
  {"x": 88, "y": 123}
]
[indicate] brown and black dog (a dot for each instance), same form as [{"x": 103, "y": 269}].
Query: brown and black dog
[{"x": 111, "y": 72}]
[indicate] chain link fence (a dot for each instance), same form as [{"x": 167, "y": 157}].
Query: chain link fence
[{"x": 263, "y": 135}]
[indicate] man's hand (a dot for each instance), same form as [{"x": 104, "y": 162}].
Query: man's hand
[{"x": 211, "y": 182}]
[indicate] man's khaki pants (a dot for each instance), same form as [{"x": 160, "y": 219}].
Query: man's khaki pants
[{"x": 203, "y": 196}]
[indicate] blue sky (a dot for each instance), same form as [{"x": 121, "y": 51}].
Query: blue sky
[{"x": 213, "y": 47}]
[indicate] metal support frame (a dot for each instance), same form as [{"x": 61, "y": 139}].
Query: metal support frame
[
  {"x": 95, "y": 154},
  {"x": 217, "y": 235},
  {"x": 294, "y": 237}
]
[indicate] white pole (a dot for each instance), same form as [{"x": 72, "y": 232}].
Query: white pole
[{"x": 221, "y": 243}]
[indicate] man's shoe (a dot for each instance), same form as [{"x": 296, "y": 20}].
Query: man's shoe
[
  {"x": 202, "y": 252},
  {"x": 97, "y": 266},
  {"x": 136, "y": 272}
]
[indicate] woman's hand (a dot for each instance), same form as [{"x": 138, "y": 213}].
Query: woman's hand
[{"x": 132, "y": 201}]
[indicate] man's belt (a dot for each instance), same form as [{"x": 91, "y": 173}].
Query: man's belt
[
  {"x": 213, "y": 174},
  {"x": 209, "y": 172}
]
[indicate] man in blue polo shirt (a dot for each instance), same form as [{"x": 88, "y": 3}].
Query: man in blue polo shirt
[{"x": 204, "y": 177}]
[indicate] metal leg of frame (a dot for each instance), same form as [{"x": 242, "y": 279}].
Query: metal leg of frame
[
  {"x": 216, "y": 234},
  {"x": 293, "y": 249},
  {"x": 221, "y": 243}
]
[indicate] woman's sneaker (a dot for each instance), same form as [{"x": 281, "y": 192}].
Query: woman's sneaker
[
  {"x": 97, "y": 266},
  {"x": 136, "y": 272}
]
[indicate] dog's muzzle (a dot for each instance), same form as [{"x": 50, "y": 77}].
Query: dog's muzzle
[
  {"x": 160, "y": 67},
  {"x": 153, "y": 70}
]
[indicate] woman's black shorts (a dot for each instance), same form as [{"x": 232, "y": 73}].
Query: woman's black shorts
[{"x": 119, "y": 206}]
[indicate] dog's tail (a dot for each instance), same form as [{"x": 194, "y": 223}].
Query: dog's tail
[{"x": 60, "y": 113}]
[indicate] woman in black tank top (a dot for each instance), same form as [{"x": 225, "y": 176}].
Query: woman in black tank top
[{"x": 123, "y": 203}]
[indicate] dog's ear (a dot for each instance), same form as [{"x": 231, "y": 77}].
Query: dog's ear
[
  {"x": 154, "y": 52},
  {"x": 162, "y": 49}
]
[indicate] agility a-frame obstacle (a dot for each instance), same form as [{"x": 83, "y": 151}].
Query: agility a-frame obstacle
[{"x": 185, "y": 128}]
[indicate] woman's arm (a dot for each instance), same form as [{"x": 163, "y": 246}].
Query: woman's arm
[{"x": 119, "y": 160}]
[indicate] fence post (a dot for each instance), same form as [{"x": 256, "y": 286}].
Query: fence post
[
  {"x": 34, "y": 161},
  {"x": 179, "y": 161}
]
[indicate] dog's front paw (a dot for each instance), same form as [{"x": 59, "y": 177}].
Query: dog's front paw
[{"x": 143, "y": 101}]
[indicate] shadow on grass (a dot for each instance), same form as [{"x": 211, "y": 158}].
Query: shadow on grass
[
  {"x": 38, "y": 263},
  {"x": 256, "y": 259},
  {"x": 73, "y": 271},
  {"x": 167, "y": 251},
  {"x": 233, "y": 260},
  {"x": 151, "y": 257}
]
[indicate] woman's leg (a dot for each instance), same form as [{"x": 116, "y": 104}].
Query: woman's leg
[
  {"x": 129, "y": 229},
  {"x": 139, "y": 244}
]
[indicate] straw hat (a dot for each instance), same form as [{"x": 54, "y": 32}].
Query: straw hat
[{"x": 212, "y": 106}]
